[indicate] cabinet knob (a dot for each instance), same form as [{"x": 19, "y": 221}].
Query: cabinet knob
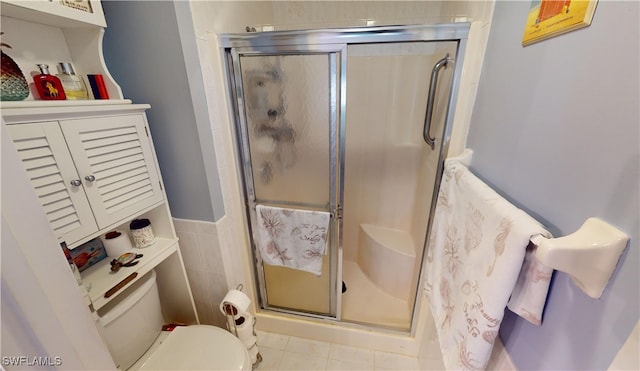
[
  {"x": 90, "y": 178},
  {"x": 76, "y": 183}
]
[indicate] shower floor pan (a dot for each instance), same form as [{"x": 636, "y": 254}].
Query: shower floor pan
[{"x": 364, "y": 302}]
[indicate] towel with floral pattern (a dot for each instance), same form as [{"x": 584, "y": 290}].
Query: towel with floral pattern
[
  {"x": 292, "y": 238},
  {"x": 475, "y": 257}
]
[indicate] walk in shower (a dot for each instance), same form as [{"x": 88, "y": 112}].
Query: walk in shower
[{"x": 353, "y": 124}]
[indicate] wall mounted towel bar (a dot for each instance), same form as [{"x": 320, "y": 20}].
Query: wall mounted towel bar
[{"x": 589, "y": 255}]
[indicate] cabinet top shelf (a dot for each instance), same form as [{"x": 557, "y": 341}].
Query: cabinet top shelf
[
  {"x": 26, "y": 113},
  {"x": 53, "y": 13},
  {"x": 62, "y": 103}
]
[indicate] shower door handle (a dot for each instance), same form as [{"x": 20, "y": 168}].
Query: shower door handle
[{"x": 444, "y": 62}]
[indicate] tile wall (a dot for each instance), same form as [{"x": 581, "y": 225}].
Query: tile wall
[{"x": 200, "y": 248}]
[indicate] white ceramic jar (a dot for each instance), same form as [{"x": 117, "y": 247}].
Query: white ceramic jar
[{"x": 142, "y": 233}]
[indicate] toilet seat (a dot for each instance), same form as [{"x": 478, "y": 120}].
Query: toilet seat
[{"x": 199, "y": 347}]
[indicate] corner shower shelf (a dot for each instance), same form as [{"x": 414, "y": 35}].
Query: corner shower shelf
[
  {"x": 393, "y": 239},
  {"x": 99, "y": 278},
  {"x": 387, "y": 256}
]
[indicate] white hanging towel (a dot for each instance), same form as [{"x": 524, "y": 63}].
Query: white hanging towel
[
  {"x": 292, "y": 238},
  {"x": 475, "y": 257}
]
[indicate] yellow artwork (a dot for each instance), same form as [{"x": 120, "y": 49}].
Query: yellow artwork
[{"x": 549, "y": 18}]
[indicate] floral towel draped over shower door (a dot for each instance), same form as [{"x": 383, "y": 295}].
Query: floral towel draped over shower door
[
  {"x": 476, "y": 249},
  {"x": 292, "y": 238}
]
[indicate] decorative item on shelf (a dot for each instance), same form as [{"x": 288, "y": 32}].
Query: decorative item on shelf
[
  {"x": 13, "y": 86},
  {"x": 120, "y": 285},
  {"x": 74, "y": 86},
  {"x": 125, "y": 260},
  {"x": 142, "y": 233},
  {"x": 88, "y": 254},
  {"x": 98, "y": 87},
  {"x": 49, "y": 87}
]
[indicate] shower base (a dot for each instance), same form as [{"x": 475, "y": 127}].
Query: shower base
[{"x": 365, "y": 303}]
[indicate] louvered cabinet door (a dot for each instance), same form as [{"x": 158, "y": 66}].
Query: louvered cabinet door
[
  {"x": 45, "y": 156},
  {"x": 115, "y": 162}
]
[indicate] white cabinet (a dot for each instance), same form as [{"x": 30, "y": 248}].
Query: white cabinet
[
  {"x": 94, "y": 169},
  {"x": 91, "y": 163},
  {"x": 89, "y": 173},
  {"x": 45, "y": 156},
  {"x": 114, "y": 159}
]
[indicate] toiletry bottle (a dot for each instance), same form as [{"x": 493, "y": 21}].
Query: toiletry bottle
[
  {"x": 49, "y": 87},
  {"x": 73, "y": 84}
]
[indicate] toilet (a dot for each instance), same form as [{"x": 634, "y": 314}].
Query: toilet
[{"x": 132, "y": 326}]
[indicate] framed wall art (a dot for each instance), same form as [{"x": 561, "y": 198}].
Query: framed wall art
[
  {"x": 549, "y": 18},
  {"x": 84, "y": 5}
]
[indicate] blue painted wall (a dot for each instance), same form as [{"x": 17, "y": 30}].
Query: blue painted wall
[
  {"x": 150, "y": 49},
  {"x": 555, "y": 130}
]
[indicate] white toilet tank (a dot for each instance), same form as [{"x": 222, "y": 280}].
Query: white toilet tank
[{"x": 132, "y": 321}]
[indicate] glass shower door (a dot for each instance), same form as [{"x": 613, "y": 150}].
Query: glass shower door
[
  {"x": 390, "y": 173},
  {"x": 332, "y": 120},
  {"x": 288, "y": 123}
]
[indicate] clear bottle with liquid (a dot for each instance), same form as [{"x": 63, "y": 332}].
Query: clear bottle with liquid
[{"x": 74, "y": 86}]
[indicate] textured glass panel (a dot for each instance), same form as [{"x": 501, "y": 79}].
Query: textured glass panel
[
  {"x": 288, "y": 121},
  {"x": 293, "y": 289},
  {"x": 390, "y": 173}
]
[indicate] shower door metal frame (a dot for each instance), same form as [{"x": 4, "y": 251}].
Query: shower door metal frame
[
  {"x": 339, "y": 38},
  {"x": 337, "y": 63}
]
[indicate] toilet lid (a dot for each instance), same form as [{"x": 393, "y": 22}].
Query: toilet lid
[{"x": 199, "y": 347}]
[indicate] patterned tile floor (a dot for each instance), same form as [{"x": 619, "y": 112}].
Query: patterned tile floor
[{"x": 282, "y": 352}]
